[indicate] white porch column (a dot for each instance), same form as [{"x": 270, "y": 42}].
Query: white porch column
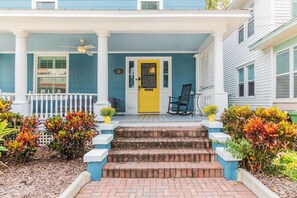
[
  {"x": 197, "y": 83},
  {"x": 220, "y": 96},
  {"x": 20, "y": 104},
  {"x": 102, "y": 74}
]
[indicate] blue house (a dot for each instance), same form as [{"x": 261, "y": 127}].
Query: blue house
[{"x": 58, "y": 55}]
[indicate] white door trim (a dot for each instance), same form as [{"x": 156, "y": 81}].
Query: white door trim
[{"x": 131, "y": 100}]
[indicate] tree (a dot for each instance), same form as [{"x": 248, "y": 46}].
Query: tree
[{"x": 217, "y": 4}]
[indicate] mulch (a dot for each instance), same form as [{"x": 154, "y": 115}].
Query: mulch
[
  {"x": 44, "y": 176},
  {"x": 282, "y": 186}
]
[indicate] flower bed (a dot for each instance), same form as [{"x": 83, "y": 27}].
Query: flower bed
[
  {"x": 33, "y": 171},
  {"x": 265, "y": 140},
  {"x": 44, "y": 176}
]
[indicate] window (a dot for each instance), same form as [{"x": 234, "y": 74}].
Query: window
[
  {"x": 51, "y": 75},
  {"x": 294, "y": 8},
  {"x": 283, "y": 74},
  {"x": 150, "y": 4},
  {"x": 241, "y": 34},
  {"x": 165, "y": 74},
  {"x": 251, "y": 80},
  {"x": 45, "y": 4},
  {"x": 241, "y": 82},
  {"x": 251, "y": 27},
  {"x": 131, "y": 74},
  {"x": 295, "y": 71},
  {"x": 246, "y": 81}
]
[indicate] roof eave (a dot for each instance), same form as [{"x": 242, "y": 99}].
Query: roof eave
[{"x": 285, "y": 32}]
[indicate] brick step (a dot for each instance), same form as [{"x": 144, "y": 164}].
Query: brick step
[
  {"x": 157, "y": 132},
  {"x": 162, "y": 155},
  {"x": 163, "y": 170},
  {"x": 148, "y": 143}
]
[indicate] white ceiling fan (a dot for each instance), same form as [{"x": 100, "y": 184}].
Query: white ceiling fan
[{"x": 82, "y": 48}]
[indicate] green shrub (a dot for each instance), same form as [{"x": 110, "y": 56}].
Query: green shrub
[
  {"x": 266, "y": 130},
  {"x": 210, "y": 110},
  {"x": 287, "y": 164},
  {"x": 107, "y": 112},
  {"x": 14, "y": 120},
  {"x": 234, "y": 119},
  {"x": 72, "y": 133},
  {"x": 5, "y": 105},
  {"x": 5, "y": 131}
]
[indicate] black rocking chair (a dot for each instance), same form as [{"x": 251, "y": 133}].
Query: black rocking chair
[{"x": 179, "y": 105}]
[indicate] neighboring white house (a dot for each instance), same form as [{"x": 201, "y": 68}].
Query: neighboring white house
[{"x": 249, "y": 70}]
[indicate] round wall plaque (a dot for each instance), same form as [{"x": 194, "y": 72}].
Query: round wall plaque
[{"x": 118, "y": 71}]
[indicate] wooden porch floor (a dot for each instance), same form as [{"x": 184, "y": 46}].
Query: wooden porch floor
[{"x": 157, "y": 118}]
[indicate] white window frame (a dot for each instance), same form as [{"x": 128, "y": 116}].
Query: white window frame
[
  {"x": 245, "y": 80},
  {"x": 239, "y": 29},
  {"x": 292, "y": 7},
  {"x": 34, "y": 3},
  {"x": 248, "y": 81},
  {"x": 290, "y": 73},
  {"x": 238, "y": 82},
  {"x": 248, "y": 23},
  {"x": 50, "y": 54},
  {"x": 140, "y": 1}
]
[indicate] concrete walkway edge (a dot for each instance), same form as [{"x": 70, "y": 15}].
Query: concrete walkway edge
[
  {"x": 76, "y": 186},
  {"x": 256, "y": 186}
]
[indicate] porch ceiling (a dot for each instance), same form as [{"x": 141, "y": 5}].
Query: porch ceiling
[{"x": 118, "y": 42}]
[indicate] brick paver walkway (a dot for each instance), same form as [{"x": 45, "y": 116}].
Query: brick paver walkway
[{"x": 182, "y": 187}]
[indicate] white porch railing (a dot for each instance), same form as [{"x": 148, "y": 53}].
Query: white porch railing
[{"x": 48, "y": 105}]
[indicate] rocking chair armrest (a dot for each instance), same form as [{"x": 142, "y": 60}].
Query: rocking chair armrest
[{"x": 173, "y": 97}]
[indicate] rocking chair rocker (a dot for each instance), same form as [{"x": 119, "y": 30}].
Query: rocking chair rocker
[{"x": 179, "y": 105}]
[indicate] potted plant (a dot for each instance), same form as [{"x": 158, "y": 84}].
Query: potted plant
[
  {"x": 211, "y": 111},
  {"x": 107, "y": 113}
]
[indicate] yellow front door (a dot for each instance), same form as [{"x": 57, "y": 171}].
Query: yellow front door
[{"x": 148, "y": 86}]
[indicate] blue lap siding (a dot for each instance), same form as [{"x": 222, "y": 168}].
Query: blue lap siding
[
  {"x": 7, "y": 72},
  {"x": 83, "y": 73}
]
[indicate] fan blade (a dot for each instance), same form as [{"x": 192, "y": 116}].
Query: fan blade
[
  {"x": 89, "y": 53},
  {"x": 68, "y": 46},
  {"x": 89, "y": 47}
]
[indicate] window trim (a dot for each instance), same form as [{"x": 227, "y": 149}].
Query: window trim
[
  {"x": 248, "y": 81},
  {"x": 291, "y": 73},
  {"x": 245, "y": 81},
  {"x": 292, "y": 8},
  {"x": 34, "y": 3},
  {"x": 160, "y": 4},
  {"x": 239, "y": 29},
  {"x": 240, "y": 83},
  {"x": 248, "y": 23},
  {"x": 55, "y": 54}
]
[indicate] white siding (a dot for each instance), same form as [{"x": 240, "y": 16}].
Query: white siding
[
  {"x": 282, "y": 11},
  {"x": 207, "y": 76},
  {"x": 236, "y": 55}
]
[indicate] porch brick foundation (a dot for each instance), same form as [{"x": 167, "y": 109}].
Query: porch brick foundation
[{"x": 162, "y": 152}]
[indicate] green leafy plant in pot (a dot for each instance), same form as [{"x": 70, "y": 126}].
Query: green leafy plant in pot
[
  {"x": 211, "y": 111},
  {"x": 107, "y": 113}
]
